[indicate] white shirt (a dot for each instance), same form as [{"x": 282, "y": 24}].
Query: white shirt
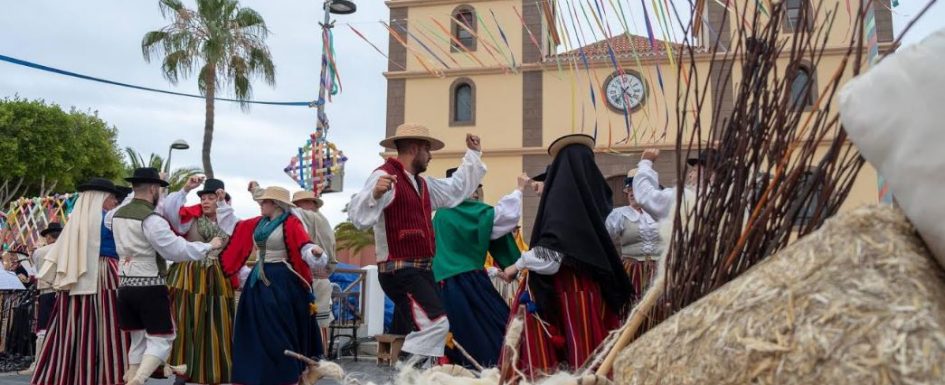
[
  {"x": 507, "y": 214},
  {"x": 649, "y": 228},
  {"x": 658, "y": 203},
  {"x": 170, "y": 209},
  {"x": 364, "y": 211},
  {"x": 533, "y": 263}
]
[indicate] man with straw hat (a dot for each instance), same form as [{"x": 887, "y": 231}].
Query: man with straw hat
[
  {"x": 321, "y": 232},
  {"x": 399, "y": 203},
  {"x": 47, "y": 296},
  {"x": 145, "y": 241},
  {"x": 202, "y": 298}
]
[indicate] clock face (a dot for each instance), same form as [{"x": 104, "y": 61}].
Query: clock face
[{"x": 625, "y": 90}]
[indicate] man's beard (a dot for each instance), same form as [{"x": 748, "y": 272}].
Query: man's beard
[{"x": 419, "y": 167}]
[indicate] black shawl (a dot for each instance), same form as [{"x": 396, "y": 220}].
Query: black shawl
[{"x": 574, "y": 205}]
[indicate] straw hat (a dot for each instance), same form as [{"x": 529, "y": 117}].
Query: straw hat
[
  {"x": 277, "y": 194},
  {"x": 307, "y": 196},
  {"x": 568, "y": 140},
  {"x": 412, "y": 131}
]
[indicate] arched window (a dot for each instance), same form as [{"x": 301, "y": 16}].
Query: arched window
[
  {"x": 803, "y": 88},
  {"x": 467, "y": 16},
  {"x": 462, "y": 103},
  {"x": 797, "y": 12}
]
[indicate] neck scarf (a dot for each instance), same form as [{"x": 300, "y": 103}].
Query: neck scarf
[{"x": 263, "y": 230}]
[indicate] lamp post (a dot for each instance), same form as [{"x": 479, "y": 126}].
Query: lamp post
[
  {"x": 338, "y": 7},
  {"x": 178, "y": 144}
]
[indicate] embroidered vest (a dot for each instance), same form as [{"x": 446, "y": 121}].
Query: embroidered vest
[
  {"x": 408, "y": 219},
  {"x": 133, "y": 246}
]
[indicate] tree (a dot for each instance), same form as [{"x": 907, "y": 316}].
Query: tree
[
  {"x": 349, "y": 237},
  {"x": 226, "y": 40},
  {"x": 178, "y": 177},
  {"x": 46, "y": 150}
]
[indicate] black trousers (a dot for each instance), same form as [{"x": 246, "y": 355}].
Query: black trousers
[
  {"x": 407, "y": 286},
  {"x": 145, "y": 308}
]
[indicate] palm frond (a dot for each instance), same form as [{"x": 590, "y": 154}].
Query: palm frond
[{"x": 149, "y": 44}]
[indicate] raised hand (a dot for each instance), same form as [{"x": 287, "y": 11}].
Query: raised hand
[
  {"x": 384, "y": 184},
  {"x": 221, "y": 195},
  {"x": 253, "y": 185},
  {"x": 523, "y": 181},
  {"x": 472, "y": 142},
  {"x": 650, "y": 154},
  {"x": 216, "y": 243},
  {"x": 193, "y": 182}
]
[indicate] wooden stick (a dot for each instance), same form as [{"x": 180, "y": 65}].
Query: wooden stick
[
  {"x": 633, "y": 324},
  {"x": 507, "y": 370},
  {"x": 468, "y": 357},
  {"x": 306, "y": 360}
]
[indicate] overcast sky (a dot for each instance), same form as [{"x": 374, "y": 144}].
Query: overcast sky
[{"x": 102, "y": 38}]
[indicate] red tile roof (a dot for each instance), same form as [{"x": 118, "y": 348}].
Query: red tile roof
[{"x": 623, "y": 46}]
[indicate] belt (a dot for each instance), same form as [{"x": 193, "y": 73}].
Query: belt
[
  {"x": 390, "y": 266},
  {"x": 141, "y": 281}
]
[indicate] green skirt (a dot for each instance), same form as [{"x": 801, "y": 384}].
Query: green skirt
[{"x": 203, "y": 304}]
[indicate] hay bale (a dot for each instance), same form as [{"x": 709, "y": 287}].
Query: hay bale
[{"x": 860, "y": 301}]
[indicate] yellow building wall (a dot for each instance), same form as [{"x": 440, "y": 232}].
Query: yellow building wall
[
  {"x": 568, "y": 108},
  {"x": 499, "y": 181},
  {"x": 825, "y": 13},
  {"x": 423, "y": 27},
  {"x": 498, "y": 119}
]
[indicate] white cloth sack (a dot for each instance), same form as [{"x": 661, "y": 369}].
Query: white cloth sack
[{"x": 895, "y": 114}]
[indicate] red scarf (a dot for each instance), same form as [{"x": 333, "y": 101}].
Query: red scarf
[{"x": 237, "y": 251}]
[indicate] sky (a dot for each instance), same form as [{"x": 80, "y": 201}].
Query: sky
[{"x": 102, "y": 38}]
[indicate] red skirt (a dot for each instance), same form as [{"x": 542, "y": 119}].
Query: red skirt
[
  {"x": 583, "y": 323},
  {"x": 641, "y": 276}
]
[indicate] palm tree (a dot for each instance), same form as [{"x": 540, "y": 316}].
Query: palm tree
[
  {"x": 349, "y": 237},
  {"x": 227, "y": 42},
  {"x": 178, "y": 177}
]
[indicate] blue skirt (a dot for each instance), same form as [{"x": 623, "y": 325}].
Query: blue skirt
[
  {"x": 269, "y": 320},
  {"x": 477, "y": 315}
]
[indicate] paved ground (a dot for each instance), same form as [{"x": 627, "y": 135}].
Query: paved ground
[{"x": 364, "y": 370}]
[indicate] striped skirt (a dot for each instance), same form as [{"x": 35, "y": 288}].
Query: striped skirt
[
  {"x": 583, "y": 324},
  {"x": 641, "y": 276},
  {"x": 203, "y": 306},
  {"x": 83, "y": 342}
]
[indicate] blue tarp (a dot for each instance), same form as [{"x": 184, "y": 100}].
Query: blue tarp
[{"x": 345, "y": 279}]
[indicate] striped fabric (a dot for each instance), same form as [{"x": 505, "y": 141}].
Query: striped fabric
[
  {"x": 83, "y": 342},
  {"x": 389, "y": 266},
  {"x": 203, "y": 305},
  {"x": 641, "y": 276},
  {"x": 407, "y": 219},
  {"x": 584, "y": 323}
]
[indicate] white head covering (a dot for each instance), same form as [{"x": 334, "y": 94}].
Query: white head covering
[{"x": 72, "y": 263}]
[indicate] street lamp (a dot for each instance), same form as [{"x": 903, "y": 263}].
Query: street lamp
[
  {"x": 178, "y": 144},
  {"x": 340, "y": 7}
]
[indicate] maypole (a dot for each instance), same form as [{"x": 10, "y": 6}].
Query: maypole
[{"x": 319, "y": 166}]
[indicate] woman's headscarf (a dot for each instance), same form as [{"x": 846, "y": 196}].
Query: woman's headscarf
[
  {"x": 574, "y": 204},
  {"x": 72, "y": 262}
]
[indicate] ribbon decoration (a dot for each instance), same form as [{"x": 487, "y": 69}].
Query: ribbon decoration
[
  {"x": 356, "y": 32},
  {"x": 438, "y": 47},
  {"x": 484, "y": 43},
  {"x": 458, "y": 43},
  {"x": 504, "y": 38},
  {"x": 317, "y": 167},
  {"x": 26, "y": 217},
  {"x": 424, "y": 46},
  {"x": 416, "y": 55}
]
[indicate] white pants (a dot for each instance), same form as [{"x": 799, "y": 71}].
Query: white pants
[
  {"x": 152, "y": 345},
  {"x": 322, "y": 290}
]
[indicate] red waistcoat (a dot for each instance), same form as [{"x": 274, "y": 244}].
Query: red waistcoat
[{"x": 408, "y": 219}]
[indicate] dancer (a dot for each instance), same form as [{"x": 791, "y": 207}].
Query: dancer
[
  {"x": 145, "y": 240},
  {"x": 465, "y": 234},
  {"x": 275, "y": 310},
  {"x": 202, "y": 297},
  {"x": 399, "y": 203},
  {"x": 84, "y": 344},
  {"x": 637, "y": 236},
  {"x": 47, "y": 296},
  {"x": 576, "y": 285}
]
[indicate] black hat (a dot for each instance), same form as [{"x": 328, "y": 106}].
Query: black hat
[
  {"x": 210, "y": 186},
  {"x": 147, "y": 175},
  {"x": 53, "y": 227},
  {"x": 97, "y": 184},
  {"x": 628, "y": 181},
  {"x": 121, "y": 192},
  {"x": 541, "y": 177},
  {"x": 450, "y": 172},
  {"x": 705, "y": 156}
]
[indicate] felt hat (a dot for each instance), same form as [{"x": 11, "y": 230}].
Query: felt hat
[
  {"x": 567, "y": 140},
  {"x": 705, "y": 156},
  {"x": 450, "y": 172},
  {"x": 53, "y": 227},
  {"x": 412, "y": 131},
  {"x": 541, "y": 177},
  {"x": 306, "y": 195},
  {"x": 98, "y": 184},
  {"x": 277, "y": 194},
  {"x": 121, "y": 192},
  {"x": 147, "y": 175},
  {"x": 628, "y": 181},
  {"x": 210, "y": 186}
]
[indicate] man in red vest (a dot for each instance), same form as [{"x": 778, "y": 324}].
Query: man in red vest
[{"x": 399, "y": 204}]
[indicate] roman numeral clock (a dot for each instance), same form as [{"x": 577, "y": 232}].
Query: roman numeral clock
[{"x": 625, "y": 88}]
